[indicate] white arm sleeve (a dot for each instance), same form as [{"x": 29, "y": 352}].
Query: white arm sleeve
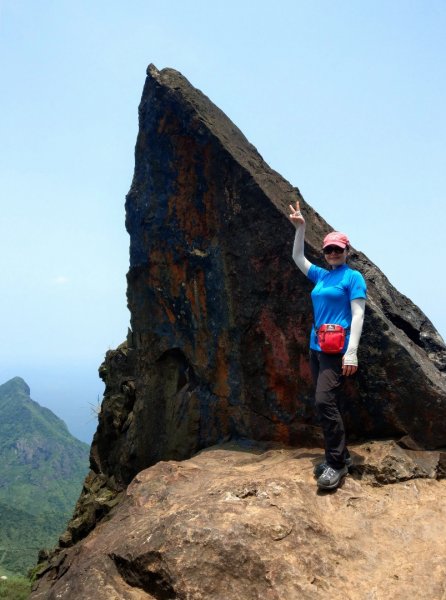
[
  {"x": 298, "y": 250},
  {"x": 358, "y": 308}
]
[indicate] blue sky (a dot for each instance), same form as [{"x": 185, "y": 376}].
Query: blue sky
[{"x": 345, "y": 99}]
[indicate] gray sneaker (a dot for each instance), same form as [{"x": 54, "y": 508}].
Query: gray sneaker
[
  {"x": 331, "y": 478},
  {"x": 320, "y": 468}
]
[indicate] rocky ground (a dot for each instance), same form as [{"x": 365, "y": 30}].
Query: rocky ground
[{"x": 242, "y": 522}]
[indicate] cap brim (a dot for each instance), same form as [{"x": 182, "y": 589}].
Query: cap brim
[{"x": 339, "y": 244}]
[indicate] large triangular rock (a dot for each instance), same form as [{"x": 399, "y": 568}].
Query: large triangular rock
[{"x": 220, "y": 314}]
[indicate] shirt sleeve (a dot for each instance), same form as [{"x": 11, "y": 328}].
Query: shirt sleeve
[
  {"x": 315, "y": 273},
  {"x": 358, "y": 287}
]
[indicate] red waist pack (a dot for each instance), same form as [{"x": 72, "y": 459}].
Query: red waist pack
[{"x": 331, "y": 338}]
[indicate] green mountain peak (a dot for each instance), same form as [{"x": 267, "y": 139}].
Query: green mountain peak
[
  {"x": 42, "y": 468},
  {"x": 16, "y": 385}
]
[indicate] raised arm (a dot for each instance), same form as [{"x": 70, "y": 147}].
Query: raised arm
[{"x": 298, "y": 221}]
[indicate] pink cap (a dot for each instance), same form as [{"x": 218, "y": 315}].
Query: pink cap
[{"x": 336, "y": 238}]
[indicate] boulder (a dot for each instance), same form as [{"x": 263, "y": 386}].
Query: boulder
[
  {"x": 245, "y": 521},
  {"x": 215, "y": 367},
  {"x": 220, "y": 314}
]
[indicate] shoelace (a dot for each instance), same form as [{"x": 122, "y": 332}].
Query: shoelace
[{"x": 328, "y": 472}]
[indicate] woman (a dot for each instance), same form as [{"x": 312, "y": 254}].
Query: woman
[{"x": 338, "y": 297}]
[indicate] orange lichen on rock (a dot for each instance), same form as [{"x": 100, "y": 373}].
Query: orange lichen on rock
[
  {"x": 196, "y": 294},
  {"x": 177, "y": 275},
  {"x": 189, "y": 204},
  {"x": 157, "y": 267},
  {"x": 278, "y": 368},
  {"x": 282, "y": 433},
  {"x": 275, "y": 336},
  {"x": 221, "y": 386}
]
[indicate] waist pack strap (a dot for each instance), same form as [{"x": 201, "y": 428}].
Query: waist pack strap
[{"x": 316, "y": 329}]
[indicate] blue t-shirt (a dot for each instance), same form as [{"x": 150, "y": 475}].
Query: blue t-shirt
[{"x": 331, "y": 297}]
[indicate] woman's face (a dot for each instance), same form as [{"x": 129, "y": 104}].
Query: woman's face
[{"x": 335, "y": 255}]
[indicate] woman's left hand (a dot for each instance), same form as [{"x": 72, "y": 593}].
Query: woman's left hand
[{"x": 348, "y": 370}]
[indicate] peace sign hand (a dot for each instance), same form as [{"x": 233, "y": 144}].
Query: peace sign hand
[{"x": 296, "y": 217}]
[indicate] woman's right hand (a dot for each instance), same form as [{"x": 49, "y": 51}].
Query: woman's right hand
[{"x": 296, "y": 217}]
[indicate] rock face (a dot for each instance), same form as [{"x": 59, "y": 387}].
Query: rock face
[
  {"x": 218, "y": 351},
  {"x": 245, "y": 522},
  {"x": 221, "y": 316}
]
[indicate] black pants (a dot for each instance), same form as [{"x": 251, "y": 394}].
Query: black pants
[{"x": 326, "y": 370}]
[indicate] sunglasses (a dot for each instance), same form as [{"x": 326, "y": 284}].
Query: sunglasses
[{"x": 335, "y": 249}]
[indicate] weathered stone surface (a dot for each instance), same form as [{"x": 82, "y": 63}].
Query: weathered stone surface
[
  {"x": 99, "y": 496},
  {"x": 246, "y": 522},
  {"x": 220, "y": 322},
  {"x": 388, "y": 462},
  {"x": 221, "y": 316}
]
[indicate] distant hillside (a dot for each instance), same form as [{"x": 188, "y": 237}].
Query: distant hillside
[{"x": 42, "y": 468}]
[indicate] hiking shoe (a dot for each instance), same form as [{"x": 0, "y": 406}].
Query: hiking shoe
[
  {"x": 331, "y": 478},
  {"x": 320, "y": 468}
]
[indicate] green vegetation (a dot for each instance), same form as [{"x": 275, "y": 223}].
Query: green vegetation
[
  {"x": 42, "y": 467},
  {"x": 15, "y": 588},
  {"x": 22, "y": 536}
]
